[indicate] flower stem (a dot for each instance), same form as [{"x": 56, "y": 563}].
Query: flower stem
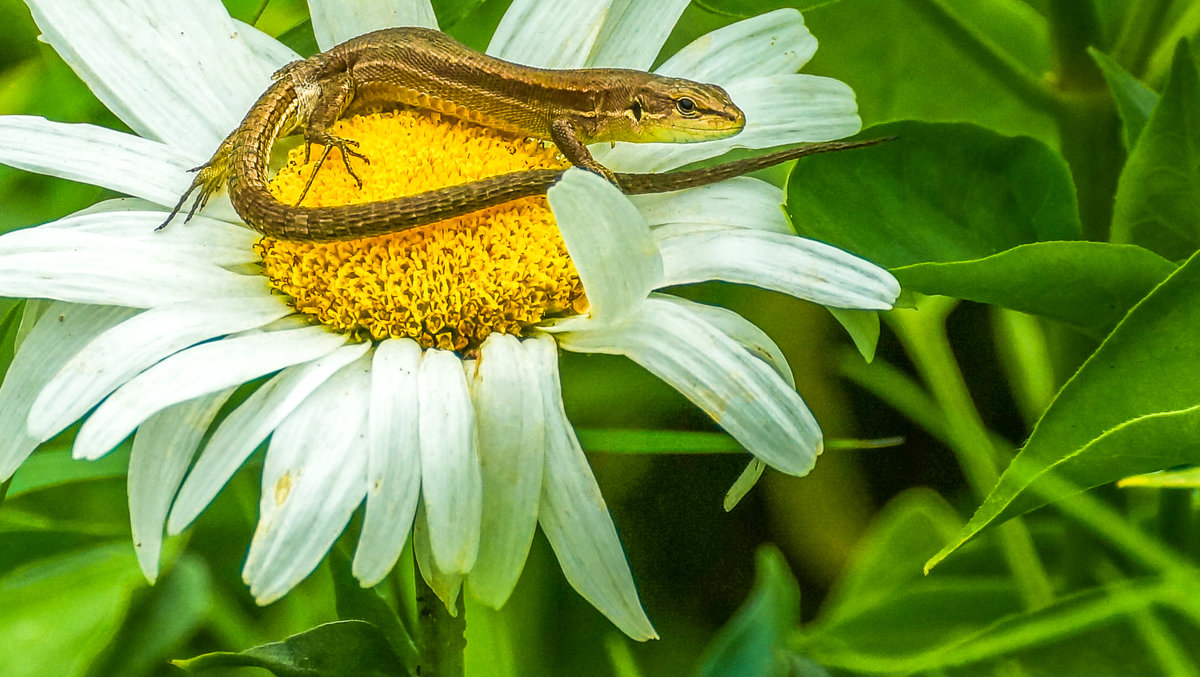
[
  {"x": 442, "y": 637},
  {"x": 987, "y": 54},
  {"x": 923, "y": 334}
]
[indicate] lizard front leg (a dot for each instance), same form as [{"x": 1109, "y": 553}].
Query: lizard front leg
[
  {"x": 334, "y": 97},
  {"x": 563, "y": 134}
]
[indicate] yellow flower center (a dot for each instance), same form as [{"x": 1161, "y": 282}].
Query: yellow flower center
[{"x": 446, "y": 285}]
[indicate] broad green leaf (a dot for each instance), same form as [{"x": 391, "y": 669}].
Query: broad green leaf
[
  {"x": 339, "y": 649},
  {"x": 891, "y": 554},
  {"x": 450, "y": 12},
  {"x": 1133, "y": 407},
  {"x": 753, "y": 641},
  {"x": 1090, "y": 285},
  {"x": 355, "y": 602},
  {"x": 915, "y": 71},
  {"x": 58, "y": 614},
  {"x": 1158, "y": 196},
  {"x": 301, "y": 38},
  {"x": 742, "y": 8},
  {"x": 157, "y": 625},
  {"x": 1135, "y": 101},
  {"x": 52, "y": 468},
  {"x": 937, "y": 193}
]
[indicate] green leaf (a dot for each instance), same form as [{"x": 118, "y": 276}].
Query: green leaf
[
  {"x": 938, "y": 193},
  {"x": 1133, "y": 407},
  {"x": 172, "y": 611},
  {"x": 339, "y": 649},
  {"x": 744, "y": 8},
  {"x": 355, "y": 602},
  {"x": 53, "y": 468},
  {"x": 58, "y": 614},
  {"x": 753, "y": 642},
  {"x": 890, "y": 555},
  {"x": 1090, "y": 285},
  {"x": 916, "y": 72},
  {"x": 450, "y": 12},
  {"x": 301, "y": 39},
  {"x": 1188, "y": 478},
  {"x": 1158, "y": 196},
  {"x": 1135, "y": 101}
]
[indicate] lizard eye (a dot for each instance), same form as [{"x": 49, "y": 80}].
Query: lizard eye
[
  {"x": 686, "y": 106},
  {"x": 636, "y": 109}
]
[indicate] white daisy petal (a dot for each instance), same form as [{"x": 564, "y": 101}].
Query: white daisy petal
[
  {"x": 445, "y": 586},
  {"x": 209, "y": 240},
  {"x": 769, "y": 44},
  {"x": 576, "y": 520},
  {"x": 196, "y": 371},
  {"x": 174, "y": 70},
  {"x": 269, "y": 50},
  {"x": 162, "y": 449},
  {"x": 336, "y": 21},
  {"x": 85, "y": 267},
  {"x": 549, "y": 33},
  {"x": 741, "y": 202},
  {"x": 634, "y": 33},
  {"x": 599, "y": 226},
  {"x": 247, "y": 426},
  {"x": 62, "y": 330},
  {"x": 394, "y": 460},
  {"x": 512, "y": 437},
  {"x": 314, "y": 477},
  {"x": 122, "y": 352},
  {"x": 738, "y": 390},
  {"x": 796, "y": 266},
  {"x": 781, "y": 110},
  {"x": 94, "y": 155},
  {"x": 741, "y": 330},
  {"x": 451, "y": 487}
]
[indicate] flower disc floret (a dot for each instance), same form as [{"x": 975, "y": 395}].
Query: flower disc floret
[{"x": 446, "y": 285}]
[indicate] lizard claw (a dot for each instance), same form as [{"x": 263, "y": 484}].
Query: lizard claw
[{"x": 346, "y": 146}]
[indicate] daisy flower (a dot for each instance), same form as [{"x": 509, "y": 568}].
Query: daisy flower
[{"x": 414, "y": 374}]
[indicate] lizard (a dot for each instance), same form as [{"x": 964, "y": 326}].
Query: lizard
[{"x": 425, "y": 68}]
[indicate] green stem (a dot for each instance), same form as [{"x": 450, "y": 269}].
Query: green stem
[
  {"x": 1110, "y": 525},
  {"x": 1155, "y": 634},
  {"x": 990, "y": 57},
  {"x": 1025, "y": 357},
  {"x": 1139, "y": 34},
  {"x": 923, "y": 335},
  {"x": 1074, "y": 27},
  {"x": 442, "y": 637},
  {"x": 1088, "y": 127}
]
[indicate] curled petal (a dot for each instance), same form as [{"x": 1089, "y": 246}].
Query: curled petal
[{"x": 738, "y": 390}]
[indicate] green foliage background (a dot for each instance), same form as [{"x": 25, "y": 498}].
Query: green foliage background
[{"x": 1041, "y": 207}]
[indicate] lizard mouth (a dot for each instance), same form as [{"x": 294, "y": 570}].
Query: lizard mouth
[
  {"x": 446, "y": 285},
  {"x": 722, "y": 124}
]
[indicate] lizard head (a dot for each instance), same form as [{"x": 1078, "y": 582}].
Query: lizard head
[{"x": 674, "y": 110}]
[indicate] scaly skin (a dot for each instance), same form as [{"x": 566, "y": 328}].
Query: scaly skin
[{"x": 427, "y": 69}]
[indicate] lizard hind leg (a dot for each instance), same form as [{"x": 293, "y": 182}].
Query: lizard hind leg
[{"x": 210, "y": 178}]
